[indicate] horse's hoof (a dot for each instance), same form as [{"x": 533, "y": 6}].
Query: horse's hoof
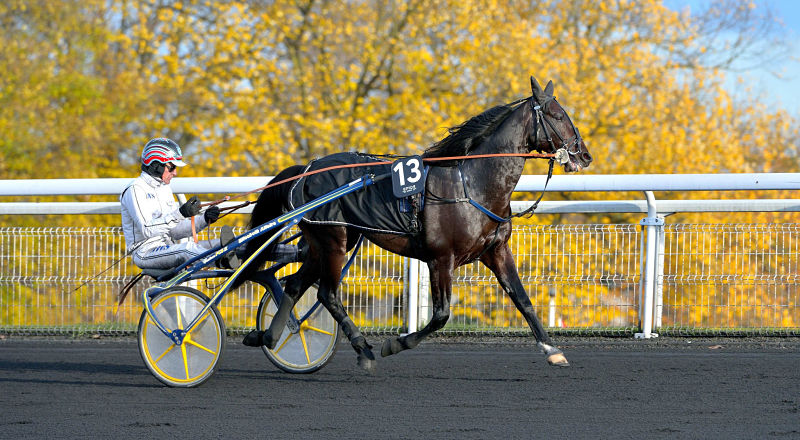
[
  {"x": 253, "y": 339},
  {"x": 557, "y": 360},
  {"x": 391, "y": 346},
  {"x": 267, "y": 340},
  {"x": 367, "y": 364}
]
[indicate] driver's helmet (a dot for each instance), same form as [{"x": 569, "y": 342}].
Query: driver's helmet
[{"x": 157, "y": 153}]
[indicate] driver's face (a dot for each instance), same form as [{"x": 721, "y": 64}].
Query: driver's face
[{"x": 170, "y": 171}]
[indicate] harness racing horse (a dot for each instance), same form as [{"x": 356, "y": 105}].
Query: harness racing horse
[{"x": 465, "y": 218}]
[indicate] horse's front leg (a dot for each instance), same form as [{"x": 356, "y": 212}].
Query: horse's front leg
[
  {"x": 501, "y": 262},
  {"x": 441, "y": 288}
]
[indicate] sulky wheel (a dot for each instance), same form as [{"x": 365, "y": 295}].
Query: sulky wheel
[
  {"x": 308, "y": 341},
  {"x": 195, "y": 360}
]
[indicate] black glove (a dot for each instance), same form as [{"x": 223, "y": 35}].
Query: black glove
[
  {"x": 191, "y": 208},
  {"x": 211, "y": 215}
]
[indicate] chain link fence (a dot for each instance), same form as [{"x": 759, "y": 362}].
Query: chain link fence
[
  {"x": 731, "y": 278},
  {"x": 726, "y": 279}
]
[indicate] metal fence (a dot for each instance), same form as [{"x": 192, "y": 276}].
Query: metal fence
[
  {"x": 592, "y": 278},
  {"x": 591, "y": 271},
  {"x": 581, "y": 278},
  {"x": 736, "y": 278}
]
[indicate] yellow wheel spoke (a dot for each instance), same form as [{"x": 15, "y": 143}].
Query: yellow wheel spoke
[
  {"x": 305, "y": 346},
  {"x": 284, "y": 343},
  {"x": 185, "y": 361},
  {"x": 293, "y": 315},
  {"x": 315, "y": 329},
  {"x": 178, "y": 313},
  {"x": 183, "y": 346},
  {"x": 150, "y": 321},
  {"x": 191, "y": 341},
  {"x": 165, "y": 352}
]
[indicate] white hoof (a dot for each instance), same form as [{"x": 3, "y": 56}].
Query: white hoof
[{"x": 557, "y": 360}]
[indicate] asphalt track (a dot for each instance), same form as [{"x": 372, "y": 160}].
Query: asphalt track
[{"x": 444, "y": 389}]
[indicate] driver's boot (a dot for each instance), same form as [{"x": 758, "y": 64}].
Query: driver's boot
[{"x": 230, "y": 260}]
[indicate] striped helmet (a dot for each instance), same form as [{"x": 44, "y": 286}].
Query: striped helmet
[{"x": 162, "y": 150}]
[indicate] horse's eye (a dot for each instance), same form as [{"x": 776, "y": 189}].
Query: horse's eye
[{"x": 554, "y": 110}]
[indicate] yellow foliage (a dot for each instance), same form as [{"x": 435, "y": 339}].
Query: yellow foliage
[{"x": 249, "y": 88}]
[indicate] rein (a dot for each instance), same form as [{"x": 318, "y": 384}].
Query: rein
[
  {"x": 561, "y": 155},
  {"x": 550, "y": 156}
]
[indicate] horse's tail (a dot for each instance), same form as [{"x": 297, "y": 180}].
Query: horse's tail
[{"x": 271, "y": 203}]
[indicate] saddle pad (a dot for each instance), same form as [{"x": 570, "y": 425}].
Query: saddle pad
[{"x": 374, "y": 208}]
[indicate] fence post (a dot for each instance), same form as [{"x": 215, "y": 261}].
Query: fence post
[
  {"x": 417, "y": 280},
  {"x": 412, "y": 290},
  {"x": 652, "y": 223},
  {"x": 193, "y": 283},
  {"x": 424, "y": 302},
  {"x": 659, "y": 276}
]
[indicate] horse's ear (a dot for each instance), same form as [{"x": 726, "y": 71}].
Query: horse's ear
[
  {"x": 548, "y": 89},
  {"x": 535, "y": 87}
]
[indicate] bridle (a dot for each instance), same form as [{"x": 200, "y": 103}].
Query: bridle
[{"x": 568, "y": 147}]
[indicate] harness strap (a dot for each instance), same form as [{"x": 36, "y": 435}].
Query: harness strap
[
  {"x": 490, "y": 214},
  {"x": 533, "y": 207},
  {"x": 485, "y": 210}
]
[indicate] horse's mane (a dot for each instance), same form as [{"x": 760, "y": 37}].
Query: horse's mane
[{"x": 465, "y": 137}]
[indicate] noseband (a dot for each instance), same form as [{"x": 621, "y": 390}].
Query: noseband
[{"x": 571, "y": 147}]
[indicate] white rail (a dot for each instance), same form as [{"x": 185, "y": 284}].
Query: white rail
[{"x": 528, "y": 183}]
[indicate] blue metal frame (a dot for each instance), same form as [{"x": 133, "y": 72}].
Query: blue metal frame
[{"x": 193, "y": 268}]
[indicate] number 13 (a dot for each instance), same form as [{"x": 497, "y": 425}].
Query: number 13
[{"x": 414, "y": 171}]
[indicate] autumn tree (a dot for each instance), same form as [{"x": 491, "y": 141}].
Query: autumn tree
[{"x": 250, "y": 87}]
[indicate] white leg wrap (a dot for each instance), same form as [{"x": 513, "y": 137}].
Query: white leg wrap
[{"x": 548, "y": 349}]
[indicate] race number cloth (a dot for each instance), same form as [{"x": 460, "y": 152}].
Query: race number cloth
[{"x": 374, "y": 208}]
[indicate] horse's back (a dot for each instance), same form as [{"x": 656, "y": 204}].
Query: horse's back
[{"x": 373, "y": 209}]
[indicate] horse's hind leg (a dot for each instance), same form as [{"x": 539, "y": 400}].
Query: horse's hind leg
[
  {"x": 333, "y": 243},
  {"x": 501, "y": 262},
  {"x": 295, "y": 287},
  {"x": 441, "y": 288}
]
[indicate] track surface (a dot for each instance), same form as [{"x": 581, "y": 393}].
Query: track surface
[{"x": 482, "y": 389}]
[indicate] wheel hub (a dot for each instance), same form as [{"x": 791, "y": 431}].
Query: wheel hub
[{"x": 293, "y": 326}]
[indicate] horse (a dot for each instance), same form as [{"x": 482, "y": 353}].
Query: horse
[{"x": 465, "y": 218}]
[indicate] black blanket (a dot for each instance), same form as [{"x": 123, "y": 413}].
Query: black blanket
[{"x": 374, "y": 208}]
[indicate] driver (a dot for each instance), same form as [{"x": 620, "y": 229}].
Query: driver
[{"x": 153, "y": 222}]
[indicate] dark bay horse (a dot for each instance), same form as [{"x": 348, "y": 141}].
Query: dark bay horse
[{"x": 453, "y": 230}]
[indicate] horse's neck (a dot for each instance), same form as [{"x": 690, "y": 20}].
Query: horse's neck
[
  {"x": 498, "y": 176},
  {"x": 493, "y": 180}
]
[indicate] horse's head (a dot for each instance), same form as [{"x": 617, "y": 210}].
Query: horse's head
[{"x": 554, "y": 132}]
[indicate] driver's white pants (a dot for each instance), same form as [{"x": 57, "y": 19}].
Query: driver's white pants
[{"x": 173, "y": 255}]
